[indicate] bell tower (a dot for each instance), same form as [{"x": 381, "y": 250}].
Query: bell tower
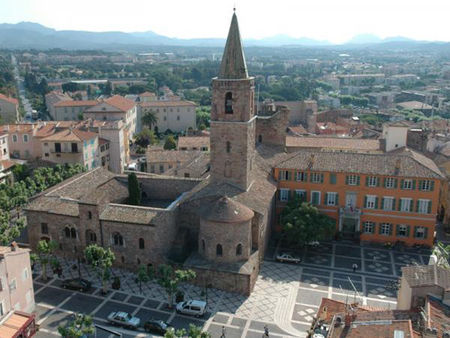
[{"x": 232, "y": 116}]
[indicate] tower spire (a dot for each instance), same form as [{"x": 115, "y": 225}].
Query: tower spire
[{"x": 233, "y": 64}]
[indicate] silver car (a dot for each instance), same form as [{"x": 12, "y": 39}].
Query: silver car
[
  {"x": 124, "y": 319},
  {"x": 288, "y": 258}
]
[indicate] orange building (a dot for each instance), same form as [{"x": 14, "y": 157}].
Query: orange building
[{"x": 382, "y": 197}]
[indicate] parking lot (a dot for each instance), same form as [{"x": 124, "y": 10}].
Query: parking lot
[{"x": 286, "y": 296}]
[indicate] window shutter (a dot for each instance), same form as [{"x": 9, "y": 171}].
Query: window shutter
[
  {"x": 425, "y": 233},
  {"x": 395, "y": 183},
  {"x": 346, "y": 179},
  {"x": 390, "y": 229},
  {"x": 336, "y": 201},
  {"x": 400, "y": 202},
  {"x": 332, "y": 178},
  {"x": 402, "y": 182},
  {"x": 432, "y": 186},
  {"x": 397, "y": 229},
  {"x": 384, "y": 182},
  {"x": 325, "y": 200},
  {"x": 382, "y": 203},
  {"x": 305, "y": 177},
  {"x": 414, "y": 185},
  {"x": 379, "y": 228},
  {"x": 278, "y": 195},
  {"x": 292, "y": 194},
  {"x": 321, "y": 178},
  {"x": 376, "y": 202},
  {"x": 415, "y": 231},
  {"x": 279, "y": 175},
  {"x": 289, "y": 175},
  {"x": 367, "y": 181},
  {"x": 429, "y": 207},
  {"x": 420, "y": 184},
  {"x": 408, "y": 229},
  {"x": 365, "y": 201},
  {"x": 357, "y": 180},
  {"x": 393, "y": 204},
  {"x": 310, "y": 177}
]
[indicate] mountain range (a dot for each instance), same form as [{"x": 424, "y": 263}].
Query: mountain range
[{"x": 25, "y": 35}]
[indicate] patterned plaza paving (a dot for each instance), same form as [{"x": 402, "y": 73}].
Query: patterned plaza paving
[{"x": 286, "y": 297}]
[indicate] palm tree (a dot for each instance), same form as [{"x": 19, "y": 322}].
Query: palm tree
[{"x": 149, "y": 119}]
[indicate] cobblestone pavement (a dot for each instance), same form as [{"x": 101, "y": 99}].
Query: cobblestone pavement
[{"x": 286, "y": 297}]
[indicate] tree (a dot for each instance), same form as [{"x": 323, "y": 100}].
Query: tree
[
  {"x": 134, "y": 191},
  {"x": 170, "y": 280},
  {"x": 303, "y": 223},
  {"x": 80, "y": 326},
  {"x": 145, "y": 138},
  {"x": 45, "y": 250},
  {"x": 193, "y": 332},
  {"x": 101, "y": 260},
  {"x": 170, "y": 143},
  {"x": 143, "y": 275},
  {"x": 149, "y": 119}
]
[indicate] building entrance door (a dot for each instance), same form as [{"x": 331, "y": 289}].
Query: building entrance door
[{"x": 348, "y": 226}]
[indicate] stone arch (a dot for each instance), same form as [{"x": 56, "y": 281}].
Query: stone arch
[
  {"x": 73, "y": 233},
  {"x": 117, "y": 239},
  {"x": 67, "y": 232},
  {"x": 239, "y": 249}
]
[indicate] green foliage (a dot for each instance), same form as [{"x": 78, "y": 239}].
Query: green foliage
[
  {"x": 199, "y": 96},
  {"x": 143, "y": 275},
  {"x": 354, "y": 100},
  {"x": 20, "y": 172},
  {"x": 101, "y": 260},
  {"x": 203, "y": 116},
  {"x": 80, "y": 326},
  {"x": 134, "y": 191},
  {"x": 149, "y": 119},
  {"x": 45, "y": 251},
  {"x": 303, "y": 223},
  {"x": 170, "y": 143},
  {"x": 145, "y": 138},
  {"x": 170, "y": 279},
  {"x": 193, "y": 332}
]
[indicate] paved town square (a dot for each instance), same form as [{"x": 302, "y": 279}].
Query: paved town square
[{"x": 286, "y": 296}]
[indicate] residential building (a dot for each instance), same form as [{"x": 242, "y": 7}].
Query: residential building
[
  {"x": 147, "y": 97},
  {"x": 193, "y": 143},
  {"x": 16, "y": 294},
  {"x": 160, "y": 161},
  {"x": 380, "y": 197},
  {"x": 299, "y": 111},
  {"x": 72, "y": 146},
  {"x": 113, "y": 109},
  {"x": 53, "y": 98},
  {"x": 9, "y": 109},
  {"x": 6, "y": 164},
  {"x": 70, "y": 110},
  {"x": 176, "y": 116}
]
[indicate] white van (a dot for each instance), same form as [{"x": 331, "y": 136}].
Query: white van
[
  {"x": 132, "y": 167},
  {"x": 195, "y": 308}
]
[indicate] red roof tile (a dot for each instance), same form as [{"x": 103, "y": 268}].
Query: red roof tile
[{"x": 9, "y": 99}]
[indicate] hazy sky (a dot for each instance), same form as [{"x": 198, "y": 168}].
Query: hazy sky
[{"x": 332, "y": 20}]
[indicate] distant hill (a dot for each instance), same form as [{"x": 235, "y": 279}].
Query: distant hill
[{"x": 26, "y": 35}]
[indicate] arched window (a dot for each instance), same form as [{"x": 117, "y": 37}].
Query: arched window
[
  {"x": 260, "y": 138},
  {"x": 117, "y": 239},
  {"x": 73, "y": 233},
  {"x": 228, "y": 146},
  {"x": 239, "y": 249},
  {"x": 67, "y": 232},
  {"x": 229, "y": 103},
  {"x": 141, "y": 243},
  {"x": 219, "y": 250},
  {"x": 89, "y": 215}
]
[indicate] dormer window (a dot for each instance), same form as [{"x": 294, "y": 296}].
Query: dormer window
[{"x": 229, "y": 103}]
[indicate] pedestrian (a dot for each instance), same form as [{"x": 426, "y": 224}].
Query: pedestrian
[
  {"x": 223, "y": 332},
  {"x": 354, "y": 267},
  {"x": 266, "y": 331}
]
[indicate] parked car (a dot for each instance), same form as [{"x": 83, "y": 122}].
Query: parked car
[
  {"x": 132, "y": 167},
  {"x": 288, "y": 258},
  {"x": 76, "y": 284},
  {"x": 314, "y": 244},
  {"x": 124, "y": 319},
  {"x": 195, "y": 308},
  {"x": 156, "y": 326}
]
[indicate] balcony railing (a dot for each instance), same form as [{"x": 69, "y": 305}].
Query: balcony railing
[{"x": 350, "y": 211}]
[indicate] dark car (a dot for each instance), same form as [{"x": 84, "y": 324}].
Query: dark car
[
  {"x": 76, "y": 284},
  {"x": 156, "y": 326}
]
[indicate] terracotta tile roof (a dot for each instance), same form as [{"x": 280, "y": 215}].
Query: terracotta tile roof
[
  {"x": 6, "y": 164},
  {"x": 147, "y": 94},
  {"x": 120, "y": 103},
  {"x": 128, "y": 214},
  {"x": 68, "y": 135},
  {"x": 426, "y": 275},
  {"x": 171, "y": 156},
  {"x": 190, "y": 142},
  {"x": 298, "y": 130},
  {"x": 45, "y": 130},
  {"x": 333, "y": 143},
  {"x": 73, "y": 103},
  {"x": 9, "y": 99},
  {"x": 225, "y": 210},
  {"x": 403, "y": 164},
  {"x": 438, "y": 316},
  {"x": 17, "y": 128},
  {"x": 166, "y": 104}
]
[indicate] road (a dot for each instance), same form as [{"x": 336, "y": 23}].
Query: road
[{"x": 21, "y": 89}]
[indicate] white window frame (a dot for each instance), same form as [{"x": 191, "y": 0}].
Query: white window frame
[
  {"x": 312, "y": 194},
  {"x": 372, "y": 181},
  {"x": 423, "y": 206},
  {"x": 389, "y": 199},
  {"x": 402, "y": 227},
  {"x": 284, "y": 195},
  {"x": 389, "y": 183},
  {"x": 352, "y": 179},
  {"x": 370, "y": 201},
  {"x": 331, "y": 201},
  {"x": 402, "y": 204},
  {"x": 300, "y": 176},
  {"x": 25, "y": 138},
  {"x": 300, "y": 193},
  {"x": 385, "y": 227},
  {"x": 316, "y": 177},
  {"x": 369, "y": 224},
  {"x": 25, "y": 274},
  {"x": 407, "y": 184},
  {"x": 284, "y": 174},
  {"x": 421, "y": 230},
  {"x": 425, "y": 185}
]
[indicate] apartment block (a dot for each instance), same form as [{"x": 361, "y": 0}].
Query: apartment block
[{"x": 9, "y": 109}]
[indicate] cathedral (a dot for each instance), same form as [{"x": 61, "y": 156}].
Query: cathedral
[{"x": 219, "y": 227}]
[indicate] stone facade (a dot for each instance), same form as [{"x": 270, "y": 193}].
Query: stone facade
[{"x": 272, "y": 129}]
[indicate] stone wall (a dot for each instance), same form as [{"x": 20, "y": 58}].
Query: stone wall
[{"x": 272, "y": 129}]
